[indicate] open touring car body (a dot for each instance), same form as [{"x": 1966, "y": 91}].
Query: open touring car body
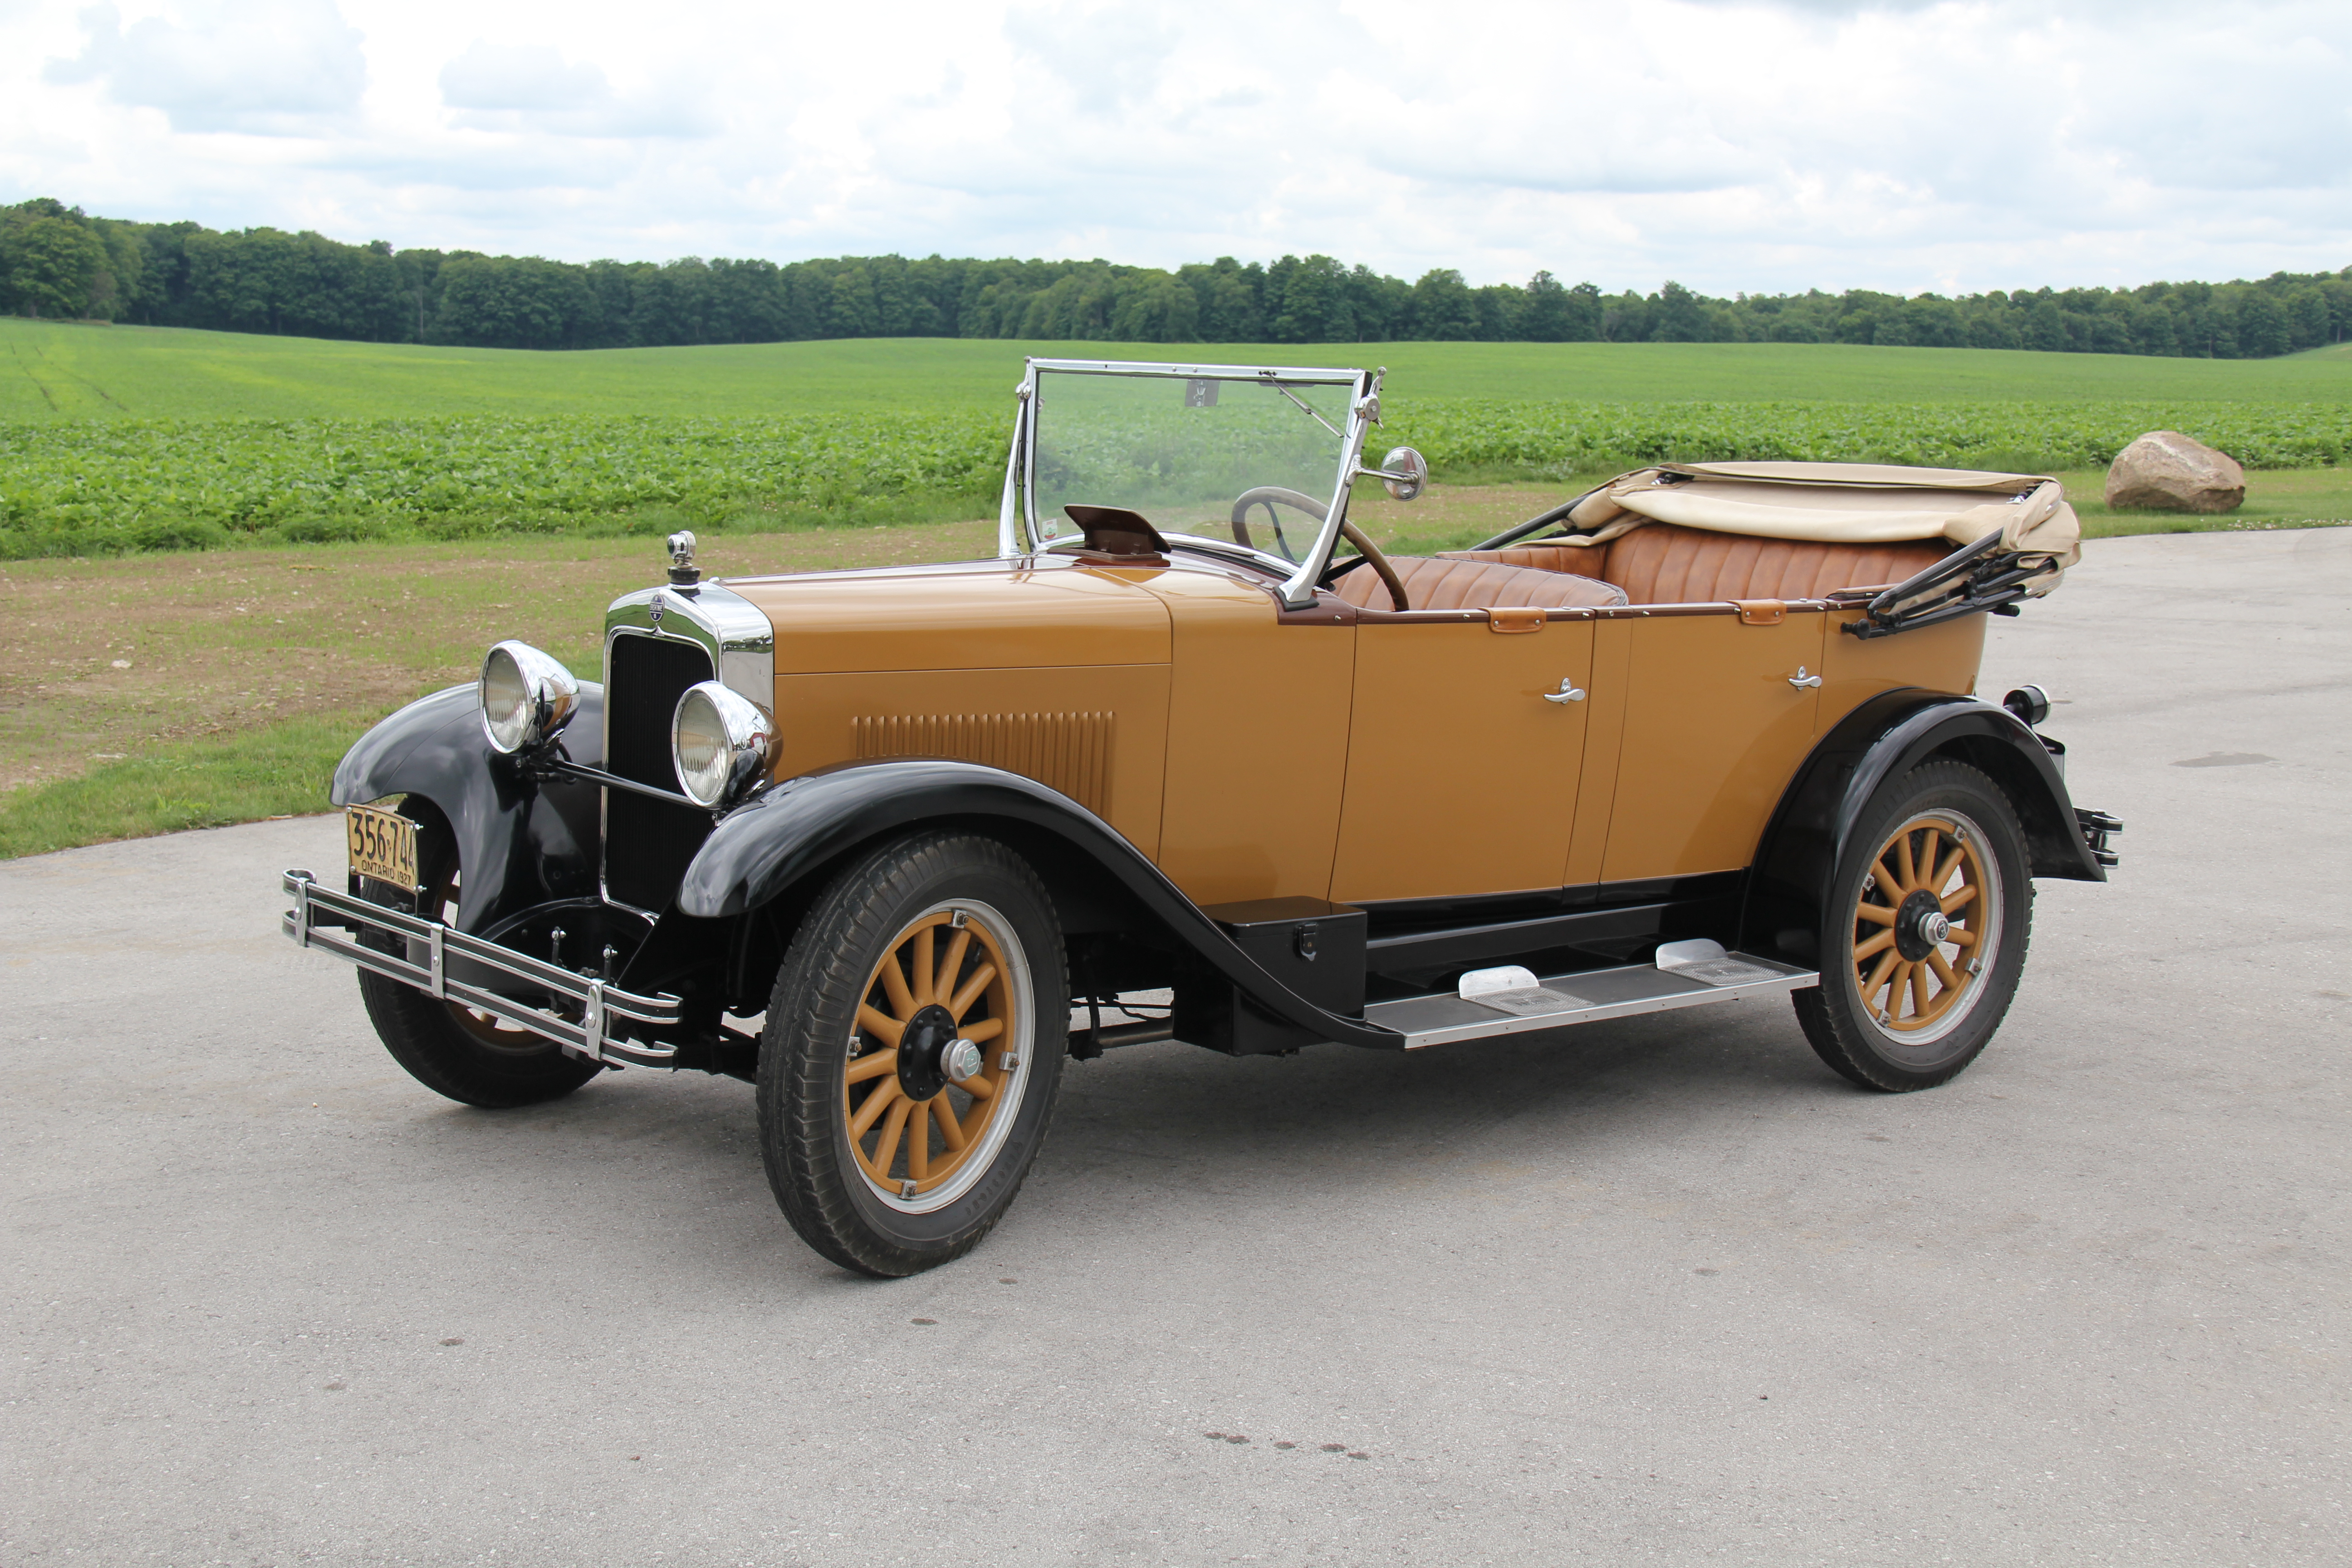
[{"x": 1615, "y": 755}]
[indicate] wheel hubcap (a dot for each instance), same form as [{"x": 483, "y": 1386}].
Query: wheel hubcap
[
  {"x": 927, "y": 1036},
  {"x": 1920, "y": 925}
]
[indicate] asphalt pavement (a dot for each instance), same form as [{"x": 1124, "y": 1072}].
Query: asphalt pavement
[{"x": 1657, "y": 1290}]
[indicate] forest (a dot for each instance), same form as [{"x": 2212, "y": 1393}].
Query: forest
[{"x": 58, "y": 262}]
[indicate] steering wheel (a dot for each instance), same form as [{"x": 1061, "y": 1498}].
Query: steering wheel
[{"x": 1269, "y": 495}]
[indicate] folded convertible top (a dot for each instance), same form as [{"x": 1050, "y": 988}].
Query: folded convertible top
[{"x": 1846, "y": 503}]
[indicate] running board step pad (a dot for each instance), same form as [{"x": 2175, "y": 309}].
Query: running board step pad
[{"x": 1445, "y": 1017}]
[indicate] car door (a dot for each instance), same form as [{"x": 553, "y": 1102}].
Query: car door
[
  {"x": 1720, "y": 705},
  {"x": 1462, "y": 769}
]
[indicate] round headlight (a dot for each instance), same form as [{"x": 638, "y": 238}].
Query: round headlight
[
  {"x": 721, "y": 742},
  {"x": 527, "y": 697}
]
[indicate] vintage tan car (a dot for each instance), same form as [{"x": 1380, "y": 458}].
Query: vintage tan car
[{"x": 1190, "y": 759}]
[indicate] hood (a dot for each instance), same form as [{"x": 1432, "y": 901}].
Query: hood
[{"x": 983, "y": 615}]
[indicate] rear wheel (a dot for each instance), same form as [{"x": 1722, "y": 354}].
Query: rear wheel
[
  {"x": 1926, "y": 935},
  {"x": 913, "y": 1049},
  {"x": 450, "y": 1049}
]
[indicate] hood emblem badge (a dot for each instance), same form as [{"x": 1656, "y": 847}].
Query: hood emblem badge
[{"x": 659, "y": 607}]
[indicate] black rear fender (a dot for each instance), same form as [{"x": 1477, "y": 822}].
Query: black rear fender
[{"x": 1883, "y": 739}]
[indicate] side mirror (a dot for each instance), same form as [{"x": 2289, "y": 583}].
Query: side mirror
[{"x": 1402, "y": 473}]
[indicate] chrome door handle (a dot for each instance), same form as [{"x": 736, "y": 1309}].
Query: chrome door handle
[
  {"x": 1568, "y": 692},
  {"x": 1800, "y": 681}
]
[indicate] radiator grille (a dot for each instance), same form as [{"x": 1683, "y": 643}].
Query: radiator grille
[
  {"x": 1067, "y": 751},
  {"x": 647, "y": 843}
]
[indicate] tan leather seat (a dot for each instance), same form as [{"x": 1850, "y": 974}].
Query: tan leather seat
[
  {"x": 1457, "y": 583},
  {"x": 1661, "y": 564}
]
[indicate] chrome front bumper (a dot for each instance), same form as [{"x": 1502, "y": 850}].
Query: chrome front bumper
[{"x": 597, "y": 1006}]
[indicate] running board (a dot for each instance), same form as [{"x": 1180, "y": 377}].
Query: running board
[{"x": 1445, "y": 1017}]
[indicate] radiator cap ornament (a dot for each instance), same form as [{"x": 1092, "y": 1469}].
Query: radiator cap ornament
[{"x": 683, "y": 573}]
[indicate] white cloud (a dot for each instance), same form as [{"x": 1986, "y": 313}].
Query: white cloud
[
  {"x": 1728, "y": 143},
  {"x": 528, "y": 87},
  {"x": 261, "y": 67}
]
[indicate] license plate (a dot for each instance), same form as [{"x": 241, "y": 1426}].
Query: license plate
[{"x": 383, "y": 844}]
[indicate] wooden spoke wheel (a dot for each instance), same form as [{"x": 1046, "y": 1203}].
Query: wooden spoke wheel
[
  {"x": 914, "y": 1044},
  {"x": 937, "y": 1054},
  {"x": 1926, "y": 921},
  {"x": 1923, "y": 938}
]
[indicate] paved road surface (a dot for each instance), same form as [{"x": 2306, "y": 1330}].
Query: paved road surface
[{"x": 1657, "y": 1290}]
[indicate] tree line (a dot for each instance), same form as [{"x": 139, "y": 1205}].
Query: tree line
[{"x": 56, "y": 262}]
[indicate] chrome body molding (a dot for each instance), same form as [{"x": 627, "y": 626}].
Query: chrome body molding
[
  {"x": 599, "y": 1005},
  {"x": 1618, "y": 993},
  {"x": 734, "y": 632}
]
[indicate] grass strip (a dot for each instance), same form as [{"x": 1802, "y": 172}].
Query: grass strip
[{"x": 278, "y": 770}]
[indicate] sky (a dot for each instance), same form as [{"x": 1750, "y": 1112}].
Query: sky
[{"x": 1756, "y": 145}]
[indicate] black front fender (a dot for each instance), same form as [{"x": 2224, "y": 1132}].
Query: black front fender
[
  {"x": 769, "y": 846},
  {"x": 1885, "y": 738},
  {"x": 520, "y": 842}
]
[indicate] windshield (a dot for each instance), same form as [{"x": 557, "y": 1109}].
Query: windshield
[{"x": 1185, "y": 450}]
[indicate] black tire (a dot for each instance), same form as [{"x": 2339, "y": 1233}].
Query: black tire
[
  {"x": 450, "y": 1049},
  {"x": 1899, "y": 1038},
  {"x": 899, "y": 900}
]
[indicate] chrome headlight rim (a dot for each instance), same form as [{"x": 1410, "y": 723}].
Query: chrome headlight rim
[
  {"x": 527, "y": 697},
  {"x": 721, "y": 743}
]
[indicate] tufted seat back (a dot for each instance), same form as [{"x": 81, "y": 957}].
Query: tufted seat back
[
  {"x": 1662, "y": 564},
  {"x": 1479, "y": 581}
]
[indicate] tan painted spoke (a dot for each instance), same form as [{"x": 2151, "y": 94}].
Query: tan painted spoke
[
  {"x": 1902, "y": 861},
  {"x": 887, "y": 1148},
  {"x": 919, "y": 1140},
  {"x": 981, "y": 1029},
  {"x": 879, "y": 1025},
  {"x": 950, "y": 1128},
  {"x": 1878, "y": 913},
  {"x": 1898, "y": 982},
  {"x": 1961, "y": 935},
  {"x": 925, "y": 970},
  {"x": 952, "y": 964},
  {"x": 1878, "y": 944},
  {"x": 1879, "y": 976},
  {"x": 875, "y": 1104},
  {"x": 978, "y": 1087},
  {"x": 1919, "y": 997},
  {"x": 1959, "y": 897},
  {"x": 873, "y": 1064},
  {"x": 1926, "y": 859},
  {"x": 1944, "y": 873},
  {"x": 902, "y": 1001},
  {"x": 982, "y": 978},
  {"x": 1888, "y": 882},
  {"x": 1944, "y": 970}
]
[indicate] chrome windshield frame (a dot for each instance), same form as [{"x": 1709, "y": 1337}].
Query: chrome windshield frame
[{"x": 1018, "y": 529}]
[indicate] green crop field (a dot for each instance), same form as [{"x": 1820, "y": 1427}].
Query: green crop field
[
  {"x": 52, "y": 371},
  {"x": 116, "y": 438}
]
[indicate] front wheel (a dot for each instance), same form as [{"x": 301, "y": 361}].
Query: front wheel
[
  {"x": 1926, "y": 935},
  {"x": 451, "y": 1048},
  {"x": 913, "y": 1049}
]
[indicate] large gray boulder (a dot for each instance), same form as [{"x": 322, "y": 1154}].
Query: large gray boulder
[{"x": 2172, "y": 472}]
